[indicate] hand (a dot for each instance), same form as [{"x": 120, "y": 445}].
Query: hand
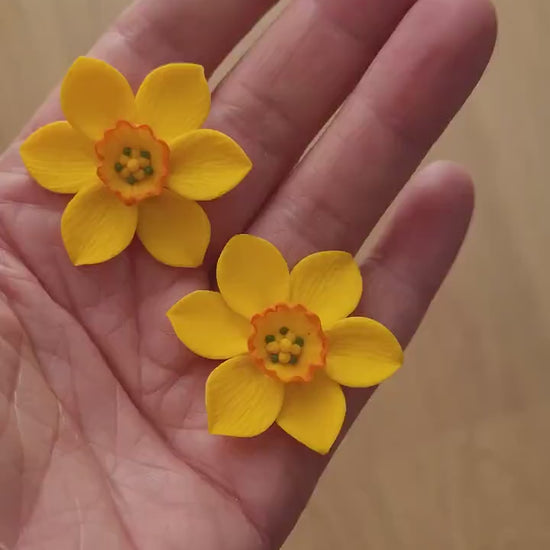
[{"x": 102, "y": 423}]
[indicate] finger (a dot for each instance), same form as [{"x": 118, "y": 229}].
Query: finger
[
  {"x": 153, "y": 32},
  {"x": 288, "y": 86},
  {"x": 417, "y": 83},
  {"x": 402, "y": 273},
  {"x": 409, "y": 261}
]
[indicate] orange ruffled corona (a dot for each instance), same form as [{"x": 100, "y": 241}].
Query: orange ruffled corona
[
  {"x": 137, "y": 164},
  {"x": 274, "y": 346},
  {"x": 287, "y": 342},
  {"x": 140, "y": 170}
]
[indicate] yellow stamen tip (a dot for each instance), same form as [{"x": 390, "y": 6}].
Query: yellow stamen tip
[
  {"x": 290, "y": 335},
  {"x": 284, "y": 357},
  {"x": 273, "y": 347},
  {"x": 133, "y": 165},
  {"x": 123, "y": 159},
  {"x": 286, "y": 344},
  {"x": 124, "y": 173},
  {"x": 134, "y": 154},
  {"x": 295, "y": 349},
  {"x": 139, "y": 175},
  {"x": 143, "y": 162}
]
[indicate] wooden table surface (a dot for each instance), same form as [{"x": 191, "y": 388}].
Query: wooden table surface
[{"x": 453, "y": 452}]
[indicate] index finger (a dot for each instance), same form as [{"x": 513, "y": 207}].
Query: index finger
[{"x": 154, "y": 32}]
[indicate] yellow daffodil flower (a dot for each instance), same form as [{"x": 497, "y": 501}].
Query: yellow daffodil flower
[
  {"x": 136, "y": 163},
  {"x": 287, "y": 339}
]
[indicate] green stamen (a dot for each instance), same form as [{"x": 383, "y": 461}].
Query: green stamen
[
  {"x": 293, "y": 359},
  {"x": 131, "y": 180},
  {"x": 300, "y": 341},
  {"x": 118, "y": 167},
  {"x": 145, "y": 154},
  {"x": 148, "y": 170},
  {"x": 274, "y": 358},
  {"x": 283, "y": 330},
  {"x": 127, "y": 151},
  {"x": 269, "y": 338}
]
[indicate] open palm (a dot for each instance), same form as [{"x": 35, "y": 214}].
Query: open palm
[{"x": 103, "y": 440}]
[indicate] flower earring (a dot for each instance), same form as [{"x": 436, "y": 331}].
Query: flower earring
[
  {"x": 136, "y": 164},
  {"x": 287, "y": 341}
]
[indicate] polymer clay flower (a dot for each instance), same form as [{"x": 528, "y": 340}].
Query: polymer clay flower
[
  {"x": 136, "y": 163},
  {"x": 287, "y": 339}
]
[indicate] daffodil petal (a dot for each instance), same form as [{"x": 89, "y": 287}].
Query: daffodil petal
[
  {"x": 328, "y": 284},
  {"x": 96, "y": 225},
  {"x": 361, "y": 352},
  {"x": 241, "y": 400},
  {"x": 313, "y": 412},
  {"x": 175, "y": 231},
  {"x": 59, "y": 158},
  {"x": 174, "y": 99},
  {"x": 206, "y": 164},
  {"x": 95, "y": 96},
  {"x": 252, "y": 275},
  {"x": 208, "y": 327}
]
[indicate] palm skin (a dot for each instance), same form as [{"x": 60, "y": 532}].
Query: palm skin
[{"x": 103, "y": 440}]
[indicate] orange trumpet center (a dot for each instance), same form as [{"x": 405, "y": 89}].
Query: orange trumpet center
[
  {"x": 288, "y": 342},
  {"x": 133, "y": 162}
]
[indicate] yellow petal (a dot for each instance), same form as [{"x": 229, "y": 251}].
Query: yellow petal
[
  {"x": 327, "y": 283},
  {"x": 206, "y": 325},
  {"x": 362, "y": 352},
  {"x": 174, "y": 99},
  {"x": 313, "y": 412},
  {"x": 94, "y": 96},
  {"x": 206, "y": 164},
  {"x": 252, "y": 275},
  {"x": 241, "y": 400},
  {"x": 59, "y": 158},
  {"x": 96, "y": 225},
  {"x": 175, "y": 231}
]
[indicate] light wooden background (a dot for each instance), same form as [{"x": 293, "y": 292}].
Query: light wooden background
[{"x": 454, "y": 452}]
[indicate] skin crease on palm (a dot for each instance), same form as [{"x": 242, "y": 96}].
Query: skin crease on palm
[{"x": 103, "y": 441}]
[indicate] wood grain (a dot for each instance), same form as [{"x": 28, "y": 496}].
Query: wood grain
[{"x": 453, "y": 452}]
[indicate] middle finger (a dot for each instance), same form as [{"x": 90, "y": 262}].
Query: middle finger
[{"x": 282, "y": 93}]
